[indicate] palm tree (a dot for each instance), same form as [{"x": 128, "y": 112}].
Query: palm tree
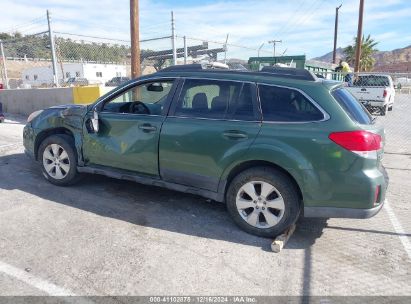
[{"x": 368, "y": 49}]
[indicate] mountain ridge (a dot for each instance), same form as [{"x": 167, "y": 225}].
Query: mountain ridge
[{"x": 397, "y": 60}]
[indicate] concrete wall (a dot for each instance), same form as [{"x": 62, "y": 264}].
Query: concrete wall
[{"x": 26, "y": 101}]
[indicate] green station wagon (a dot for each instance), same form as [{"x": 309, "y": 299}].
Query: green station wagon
[{"x": 273, "y": 145}]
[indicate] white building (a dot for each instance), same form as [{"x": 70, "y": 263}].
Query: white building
[{"x": 95, "y": 73}]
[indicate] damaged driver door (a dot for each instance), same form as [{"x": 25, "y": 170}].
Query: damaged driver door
[{"x": 122, "y": 131}]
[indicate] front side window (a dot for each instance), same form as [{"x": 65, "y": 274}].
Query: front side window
[
  {"x": 286, "y": 105},
  {"x": 148, "y": 99},
  {"x": 203, "y": 98}
]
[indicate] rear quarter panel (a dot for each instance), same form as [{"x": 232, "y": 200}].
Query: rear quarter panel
[{"x": 326, "y": 174}]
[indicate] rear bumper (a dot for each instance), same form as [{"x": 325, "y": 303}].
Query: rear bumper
[
  {"x": 332, "y": 212},
  {"x": 374, "y": 103},
  {"x": 355, "y": 213}
]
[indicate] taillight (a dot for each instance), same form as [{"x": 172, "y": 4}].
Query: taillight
[
  {"x": 359, "y": 142},
  {"x": 385, "y": 93}
]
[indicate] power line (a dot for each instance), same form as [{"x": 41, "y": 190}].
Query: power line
[
  {"x": 313, "y": 8},
  {"x": 110, "y": 27},
  {"x": 22, "y": 25},
  {"x": 222, "y": 43},
  {"x": 292, "y": 19},
  {"x": 111, "y": 39},
  {"x": 93, "y": 37}
]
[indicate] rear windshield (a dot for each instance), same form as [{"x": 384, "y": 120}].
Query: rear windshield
[
  {"x": 372, "y": 81},
  {"x": 352, "y": 106}
]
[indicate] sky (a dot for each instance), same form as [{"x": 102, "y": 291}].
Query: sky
[{"x": 304, "y": 26}]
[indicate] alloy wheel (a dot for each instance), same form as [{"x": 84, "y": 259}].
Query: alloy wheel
[
  {"x": 56, "y": 161},
  {"x": 260, "y": 204}
]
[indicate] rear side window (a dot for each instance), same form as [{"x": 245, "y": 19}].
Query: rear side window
[
  {"x": 286, "y": 105},
  {"x": 216, "y": 99},
  {"x": 352, "y": 106}
]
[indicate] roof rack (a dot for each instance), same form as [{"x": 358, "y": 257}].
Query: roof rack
[
  {"x": 184, "y": 67},
  {"x": 290, "y": 73},
  {"x": 196, "y": 67}
]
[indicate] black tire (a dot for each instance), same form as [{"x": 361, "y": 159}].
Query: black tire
[
  {"x": 282, "y": 184},
  {"x": 67, "y": 143},
  {"x": 383, "y": 110}
]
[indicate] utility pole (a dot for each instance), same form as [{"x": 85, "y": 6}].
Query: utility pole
[
  {"x": 3, "y": 57},
  {"x": 274, "y": 42},
  {"x": 225, "y": 50},
  {"x": 53, "y": 51},
  {"x": 336, "y": 33},
  {"x": 135, "y": 39},
  {"x": 173, "y": 39},
  {"x": 185, "y": 50},
  {"x": 259, "y": 49},
  {"x": 359, "y": 38}
]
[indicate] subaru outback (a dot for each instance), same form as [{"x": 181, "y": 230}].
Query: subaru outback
[{"x": 273, "y": 145}]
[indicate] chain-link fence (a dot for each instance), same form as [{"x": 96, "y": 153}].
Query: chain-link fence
[
  {"x": 85, "y": 60},
  {"x": 21, "y": 54},
  {"x": 80, "y": 60}
]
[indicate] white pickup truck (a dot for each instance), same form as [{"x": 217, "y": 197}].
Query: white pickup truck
[{"x": 374, "y": 91}]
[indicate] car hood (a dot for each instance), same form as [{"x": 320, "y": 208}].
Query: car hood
[
  {"x": 69, "y": 110},
  {"x": 70, "y": 116}
]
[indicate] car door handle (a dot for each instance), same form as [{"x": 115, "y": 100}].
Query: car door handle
[
  {"x": 234, "y": 134},
  {"x": 363, "y": 90},
  {"x": 147, "y": 128}
]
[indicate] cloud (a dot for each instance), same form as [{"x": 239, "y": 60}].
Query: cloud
[{"x": 305, "y": 27}]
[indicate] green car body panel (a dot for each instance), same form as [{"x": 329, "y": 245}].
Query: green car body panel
[{"x": 194, "y": 155}]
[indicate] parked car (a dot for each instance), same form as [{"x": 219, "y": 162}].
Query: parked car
[
  {"x": 116, "y": 81},
  {"x": 375, "y": 91},
  {"x": 272, "y": 145},
  {"x": 77, "y": 81}
]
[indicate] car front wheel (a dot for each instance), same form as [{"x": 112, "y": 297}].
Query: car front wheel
[
  {"x": 263, "y": 201},
  {"x": 58, "y": 160}
]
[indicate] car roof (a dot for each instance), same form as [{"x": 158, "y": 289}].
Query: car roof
[
  {"x": 285, "y": 79},
  {"x": 290, "y": 73}
]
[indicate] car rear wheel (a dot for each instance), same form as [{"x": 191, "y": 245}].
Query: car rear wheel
[
  {"x": 383, "y": 110},
  {"x": 263, "y": 201},
  {"x": 58, "y": 160}
]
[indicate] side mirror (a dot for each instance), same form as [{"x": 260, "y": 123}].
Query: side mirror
[
  {"x": 94, "y": 121},
  {"x": 155, "y": 87}
]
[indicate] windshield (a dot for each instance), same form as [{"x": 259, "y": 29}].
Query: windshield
[{"x": 352, "y": 106}]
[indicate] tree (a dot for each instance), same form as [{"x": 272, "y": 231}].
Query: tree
[{"x": 368, "y": 49}]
